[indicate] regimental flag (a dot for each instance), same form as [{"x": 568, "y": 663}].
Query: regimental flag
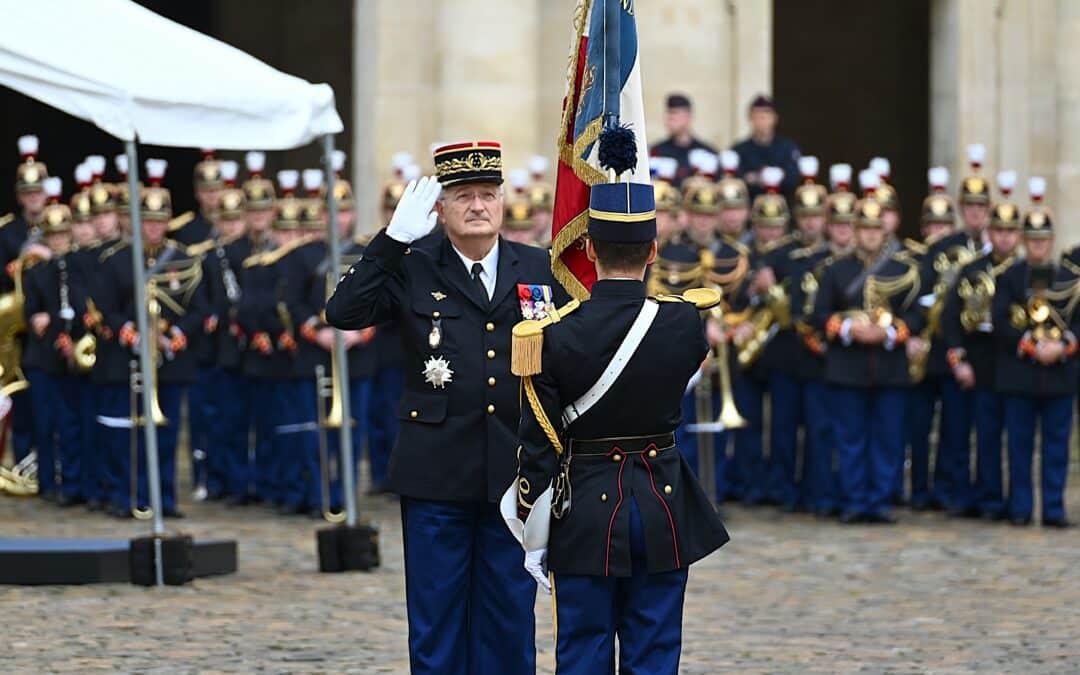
[{"x": 603, "y": 80}]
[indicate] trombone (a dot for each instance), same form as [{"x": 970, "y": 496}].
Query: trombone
[
  {"x": 729, "y": 418},
  {"x": 328, "y": 387}
]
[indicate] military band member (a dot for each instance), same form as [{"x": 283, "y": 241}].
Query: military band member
[
  {"x": 859, "y": 305},
  {"x": 1035, "y": 326},
  {"x": 819, "y": 490},
  {"x": 470, "y": 603},
  {"x": 81, "y": 263},
  {"x": 945, "y": 255},
  {"x": 195, "y": 227},
  {"x": 123, "y": 205},
  {"x": 518, "y": 223},
  {"x": 768, "y": 218},
  {"x": 969, "y": 336},
  {"x": 681, "y": 140},
  {"x": 886, "y": 195},
  {"x": 224, "y": 471},
  {"x": 618, "y": 554},
  {"x": 19, "y": 234},
  {"x": 176, "y": 295},
  {"x": 764, "y": 148},
  {"x": 542, "y": 199},
  {"x": 786, "y": 362},
  {"x": 50, "y": 319}
]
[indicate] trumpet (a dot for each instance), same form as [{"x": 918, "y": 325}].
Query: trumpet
[
  {"x": 767, "y": 322},
  {"x": 328, "y": 387}
]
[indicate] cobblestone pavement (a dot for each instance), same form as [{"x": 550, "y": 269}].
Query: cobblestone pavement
[{"x": 788, "y": 594}]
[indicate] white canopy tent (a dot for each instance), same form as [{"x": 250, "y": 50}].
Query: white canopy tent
[
  {"x": 141, "y": 77},
  {"x": 133, "y": 73}
]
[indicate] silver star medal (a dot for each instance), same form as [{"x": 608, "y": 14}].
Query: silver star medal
[{"x": 437, "y": 372}]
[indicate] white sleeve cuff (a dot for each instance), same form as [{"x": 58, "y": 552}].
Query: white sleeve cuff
[
  {"x": 845, "y": 333},
  {"x": 890, "y": 338}
]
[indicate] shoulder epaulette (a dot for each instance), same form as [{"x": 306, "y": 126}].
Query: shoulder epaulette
[
  {"x": 201, "y": 248},
  {"x": 108, "y": 253},
  {"x": 916, "y": 246},
  {"x": 773, "y": 245},
  {"x": 527, "y": 343},
  {"x": 271, "y": 257},
  {"x": 181, "y": 220},
  {"x": 805, "y": 252},
  {"x": 4, "y": 220},
  {"x": 701, "y": 298}
]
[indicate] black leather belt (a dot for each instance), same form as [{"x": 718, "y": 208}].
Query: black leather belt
[{"x": 629, "y": 445}]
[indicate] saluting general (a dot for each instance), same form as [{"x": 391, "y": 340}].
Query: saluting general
[{"x": 470, "y": 602}]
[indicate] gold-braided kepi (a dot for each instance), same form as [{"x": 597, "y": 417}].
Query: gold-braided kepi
[{"x": 470, "y": 162}]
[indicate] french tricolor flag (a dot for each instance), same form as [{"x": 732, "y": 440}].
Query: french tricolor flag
[{"x": 603, "y": 84}]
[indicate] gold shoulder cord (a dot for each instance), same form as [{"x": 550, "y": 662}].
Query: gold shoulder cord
[{"x": 541, "y": 416}]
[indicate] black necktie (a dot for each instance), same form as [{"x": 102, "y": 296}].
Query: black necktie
[{"x": 477, "y": 268}]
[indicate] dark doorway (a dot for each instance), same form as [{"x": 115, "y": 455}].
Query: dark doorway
[
  {"x": 852, "y": 81},
  {"x": 314, "y": 45}
]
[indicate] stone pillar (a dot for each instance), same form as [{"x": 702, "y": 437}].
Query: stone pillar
[
  {"x": 751, "y": 72},
  {"x": 487, "y": 72},
  {"x": 366, "y": 176},
  {"x": 1068, "y": 118}
]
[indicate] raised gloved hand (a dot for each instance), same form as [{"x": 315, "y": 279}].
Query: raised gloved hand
[
  {"x": 413, "y": 218},
  {"x": 534, "y": 565}
]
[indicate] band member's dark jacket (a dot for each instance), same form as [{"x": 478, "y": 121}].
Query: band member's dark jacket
[
  {"x": 802, "y": 269},
  {"x": 883, "y": 289},
  {"x": 1016, "y": 333},
  {"x": 622, "y": 448},
  {"x": 186, "y": 308},
  {"x": 14, "y": 231},
  {"x": 229, "y": 338},
  {"x": 41, "y": 291},
  {"x": 305, "y": 292},
  {"x": 966, "y": 321},
  {"x": 190, "y": 228},
  {"x": 939, "y": 268},
  {"x": 457, "y": 442},
  {"x": 778, "y": 355}
]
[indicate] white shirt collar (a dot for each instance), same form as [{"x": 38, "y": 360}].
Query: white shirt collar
[{"x": 489, "y": 262}]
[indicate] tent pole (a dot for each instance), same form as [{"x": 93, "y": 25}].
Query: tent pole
[
  {"x": 342, "y": 372},
  {"x": 153, "y": 473}
]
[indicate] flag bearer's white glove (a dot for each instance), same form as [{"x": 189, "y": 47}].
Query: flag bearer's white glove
[
  {"x": 534, "y": 565},
  {"x": 413, "y": 218}
]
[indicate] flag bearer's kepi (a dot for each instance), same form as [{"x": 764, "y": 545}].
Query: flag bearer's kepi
[
  {"x": 622, "y": 213},
  {"x": 471, "y": 162}
]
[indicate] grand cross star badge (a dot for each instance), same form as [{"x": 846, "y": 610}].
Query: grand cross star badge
[{"x": 437, "y": 372}]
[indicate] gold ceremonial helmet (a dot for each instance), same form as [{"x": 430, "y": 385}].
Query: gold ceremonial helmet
[
  {"x": 231, "y": 204},
  {"x": 81, "y": 209},
  {"x": 701, "y": 195},
  {"x": 840, "y": 207},
  {"x": 868, "y": 212},
  {"x": 1039, "y": 223},
  {"x": 518, "y": 214},
  {"x": 208, "y": 171},
  {"x": 31, "y": 174},
  {"x": 938, "y": 208},
  {"x": 57, "y": 218},
  {"x": 1005, "y": 215},
  {"x": 769, "y": 209},
  {"x": 810, "y": 199},
  {"x": 666, "y": 195},
  {"x": 886, "y": 195}
]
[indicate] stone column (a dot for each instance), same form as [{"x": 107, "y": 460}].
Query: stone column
[
  {"x": 366, "y": 176},
  {"x": 1068, "y": 126},
  {"x": 487, "y": 73}
]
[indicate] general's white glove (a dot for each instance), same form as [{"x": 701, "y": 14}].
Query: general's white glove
[
  {"x": 413, "y": 218},
  {"x": 534, "y": 565}
]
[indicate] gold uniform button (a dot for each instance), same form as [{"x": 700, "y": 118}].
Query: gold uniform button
[
  {"x": 616, "y": 458},
  {"x": 491, "y": 381},
  {"x": 652, "y": 453},
  {"x": 491, "y": 353},
  {"x": 413, "y": 414},
  {"x": 436, "y": 315},
  {"x": 603, "y": 497},
  {"x": 491, "y": 409},
  {"x": 490, "y": 327},
  {"x": 667, "y": 489}
]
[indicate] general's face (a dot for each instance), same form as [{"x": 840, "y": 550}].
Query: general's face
[{"x": 471, "y": 210}]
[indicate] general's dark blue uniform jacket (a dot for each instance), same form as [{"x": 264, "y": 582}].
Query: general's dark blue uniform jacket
[
  {"x": 450, "y": 447},
  {"x": 593, "y": 538}
]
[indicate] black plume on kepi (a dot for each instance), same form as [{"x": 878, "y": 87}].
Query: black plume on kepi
[{"x": 618, "y": 149}]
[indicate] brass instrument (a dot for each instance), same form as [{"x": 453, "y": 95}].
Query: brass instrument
[
  {"x": 328, "y": 387},
  {"x": 153, "y": 315},
  {"x": 21, "y": 479},
  {"x": 947, "y": 264},
  {"x": 977, "y": 296},
  {"x": 767, "y": 321},
  {"x": 85, "y": 350}
]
